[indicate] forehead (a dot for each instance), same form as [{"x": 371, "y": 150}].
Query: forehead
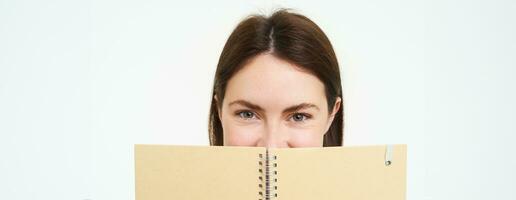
[{"x": 272, "y": 82}]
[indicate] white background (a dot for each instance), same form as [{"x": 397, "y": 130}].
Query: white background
[{"x": 81, "y": 82}]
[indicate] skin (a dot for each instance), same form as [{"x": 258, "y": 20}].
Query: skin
[{"x": 273, "y": 103}]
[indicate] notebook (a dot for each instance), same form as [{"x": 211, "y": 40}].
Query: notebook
[{"x": 223, "y": 172}]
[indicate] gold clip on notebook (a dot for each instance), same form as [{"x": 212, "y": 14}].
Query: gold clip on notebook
[{"x": 216, "y": 172}]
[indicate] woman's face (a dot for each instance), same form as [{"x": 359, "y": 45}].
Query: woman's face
[{"x": 272, "y": 103}]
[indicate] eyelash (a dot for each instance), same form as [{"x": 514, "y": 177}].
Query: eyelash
[{"x": 305, "y": 115}]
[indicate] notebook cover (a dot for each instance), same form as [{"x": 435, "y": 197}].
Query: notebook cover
[
  {"x": 357, "y": 173},
  {"x": 195, "y": 172},
  {"x": 214, "y": 172}
]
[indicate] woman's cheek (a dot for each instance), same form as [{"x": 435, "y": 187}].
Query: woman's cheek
[
  {"x": 305, "y": 138},
  {"x": 240, "y": 136}
]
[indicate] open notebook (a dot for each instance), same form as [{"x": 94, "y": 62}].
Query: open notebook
[{"x": 215, "y": 172}]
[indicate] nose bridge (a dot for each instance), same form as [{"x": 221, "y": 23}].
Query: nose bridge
[{"x": 273, "y": 136}]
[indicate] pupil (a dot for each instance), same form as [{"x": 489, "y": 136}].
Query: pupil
[
  {"x": 298, "y": 117},
  {"x": 248, "y": 114}
]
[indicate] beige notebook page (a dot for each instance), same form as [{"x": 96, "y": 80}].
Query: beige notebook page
[
  {"x": 355, "y": 173},
  {"x": 186, "y": 172}
]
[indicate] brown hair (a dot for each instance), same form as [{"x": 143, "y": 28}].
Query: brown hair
[{"x": 288, "y": 36}]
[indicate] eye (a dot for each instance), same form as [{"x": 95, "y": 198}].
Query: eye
[
  {"x": 246, "y": 114},
  {"x": 300, "y": 117}
]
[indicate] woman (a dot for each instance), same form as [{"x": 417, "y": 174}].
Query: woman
[{"x": 277, "y": 85}]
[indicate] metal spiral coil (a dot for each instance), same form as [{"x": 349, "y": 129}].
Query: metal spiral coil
[{"x": 268, "y": 180}]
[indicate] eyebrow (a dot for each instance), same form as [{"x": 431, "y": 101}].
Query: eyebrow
[{"x": 286, "y": 110}]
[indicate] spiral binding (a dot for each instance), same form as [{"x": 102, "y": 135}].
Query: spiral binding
[{"x": 268, "y": 180}]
